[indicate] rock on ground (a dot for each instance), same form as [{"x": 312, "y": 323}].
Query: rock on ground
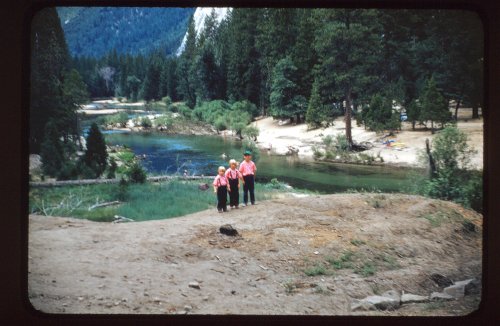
[{"x": 412, "y": 298}]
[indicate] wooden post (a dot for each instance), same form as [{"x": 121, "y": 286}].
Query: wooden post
[{"x": 432, "y": 164}]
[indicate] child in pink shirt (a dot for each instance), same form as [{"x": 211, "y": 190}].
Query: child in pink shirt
[
  {"x": 221, "y": 187},
  {"x": 248, "y": 169},
  {"x": 233, "y": 177}
]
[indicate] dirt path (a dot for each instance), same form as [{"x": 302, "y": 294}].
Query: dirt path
[{"x": 78, "y": 266}]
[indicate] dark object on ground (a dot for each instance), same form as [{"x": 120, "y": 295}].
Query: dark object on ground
[
  {"x": 441, "y": 280},
  {"x": 363, "y": 146},
  {"x": 468, "y": 227},
  {"x": 227, "y": 229},
  {"x": 203, "y": 186}
]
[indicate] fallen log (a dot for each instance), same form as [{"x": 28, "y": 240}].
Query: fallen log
[
  {"x": 121, "y": 219},
  {"x": 112, "y": 181},
  {"x": 116, "y": 202}
]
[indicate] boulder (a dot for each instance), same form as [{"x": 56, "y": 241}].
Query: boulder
[
  {"x": 194, "y": 285},
  {"x": 379, "y": 302},
  {"x": 441, "y": 280},
  {"x": 439, "y": 296},
  {"x": 228, "y": 229},
  {"x": 362, "y": 305},
  {"x": 413, "y": 298},
  {"x": 456, "y": 290},
  {"x": 203, "y": 186},
  {"x": 392, "y": 294},
  {"x": 472, "y": 286}
]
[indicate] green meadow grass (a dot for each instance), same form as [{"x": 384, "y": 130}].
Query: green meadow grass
[{"x": 148, "y": 201}]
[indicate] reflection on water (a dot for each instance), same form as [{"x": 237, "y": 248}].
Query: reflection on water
[{"x": 201, "y": 155}]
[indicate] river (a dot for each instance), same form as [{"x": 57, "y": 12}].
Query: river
[{"x": 166, "y": 154}]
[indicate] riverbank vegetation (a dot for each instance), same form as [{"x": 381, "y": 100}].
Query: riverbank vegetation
[{"x": 138, "y": 201}]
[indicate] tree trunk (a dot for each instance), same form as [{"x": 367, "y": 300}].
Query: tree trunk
[
  {"x": 298, "y": 118},
  {"x": 475, "y": 111},
  {"x": 432, "y": 126},
  {"x": 413, "y": 125},
  {"x": 348, "y": 118},
  {"x": 456, "y": 110},
  {"x": 432, "y": 164}
]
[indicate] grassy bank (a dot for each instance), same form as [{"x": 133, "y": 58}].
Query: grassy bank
[{"x": 140, "y": 202}]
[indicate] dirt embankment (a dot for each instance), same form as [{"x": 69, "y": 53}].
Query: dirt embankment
[{"x": 353, "y": 245}]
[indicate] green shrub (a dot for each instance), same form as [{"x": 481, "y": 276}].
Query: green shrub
[
  {"x": 119, "y": 118},
  {"x": 122, "y": 190},
  {"x": 341, "y": 143},
  {"x": 167, "y": 100},
  {"x": 69, "y": 171},
  {"x": 367, "y": 269},
  {"x": 185, "y": 111},
  {"x": 220, "y": 124},
  {"x": 250, "y": 145},
  {"x": 315, "y": 270},
  {"x": 275, "y": 184},
  {"x": 245, "y": 106},
  {"x": 328, "y": 141},
  {"x": 136, "y": 173},
  {"x": 165, "y": 120},
  {"x": 112, "y": 168},
  {"x": 452, "y": 180},
  {"x": 317, "y": 153},
  {"x": 251, "y": 132},
  {"x": 344, "y": 261},
  {"x": 146, "y": 123},
  {"x": 357, "y": 242}
]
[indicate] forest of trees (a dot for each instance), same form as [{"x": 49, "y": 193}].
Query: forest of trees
[
  {"x": 273, "y": 57},
  {"x": 94, "y": 31},
  {"x": 304, "y": 64}
]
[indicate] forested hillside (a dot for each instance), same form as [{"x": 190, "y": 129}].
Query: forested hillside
[
  {"x": 312, "y": 64},
  {"x": 94, "y": 31}
]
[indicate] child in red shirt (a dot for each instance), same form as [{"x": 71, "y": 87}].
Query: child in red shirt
[
  {"x": 233, "y": 177},
  {"x": 248, "y": 169},
  {"x": 220, "y": 188}
]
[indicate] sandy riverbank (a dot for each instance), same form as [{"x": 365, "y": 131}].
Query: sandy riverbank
[{"x": 280, "y": 137}]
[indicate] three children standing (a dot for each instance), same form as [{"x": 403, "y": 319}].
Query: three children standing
[{"x": 229, "y": 181}]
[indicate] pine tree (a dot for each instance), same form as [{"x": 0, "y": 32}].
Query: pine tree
[
  {"x": 285, "y": 103},
  {"x": 95, "y": 156},
  {"x": 186, "y": 68},
  {"x": 434, "y": 106},
  {"x": 304, "y": 56},
  {"x": 152, "y": 81},
  {"x": 133, "y": 84},
  {"x": 378, "y": 115},
  {"x": 243, "y": 71},
  {"x": 52, "y": 152},
  {"x": 49, "y": 61},
  {"x": 348, "y": 46},
  {"x": 208, "y": 74},
  {"x": 172, "y": 79},
  {"x": 74, "y": 93},
  {"x": 413, "y": 113},
  {"x": 275, "y": 37},
  {"x": 316, "y": 112}
]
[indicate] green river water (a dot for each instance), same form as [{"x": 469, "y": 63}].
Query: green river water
[{"x": 201, "y": 155}]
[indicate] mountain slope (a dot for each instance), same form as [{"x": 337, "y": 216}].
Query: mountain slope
[
  {"x": 94, "y": 31},
  {"x": 199, "y": 16}
]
